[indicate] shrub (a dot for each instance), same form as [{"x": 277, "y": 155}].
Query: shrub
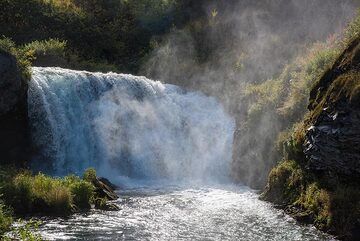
[
  {"x": 23, "y": 197},
  {"x": 89, "y": 175},
  {"x": 83, "y": 192},
  {"x": 41, "y": 193},
  {"x": 285, "y": 182},
  {"x": 318, "y": 201},
  {"x": 54, "y": 47},
  {"x": 7, "y": 45}
]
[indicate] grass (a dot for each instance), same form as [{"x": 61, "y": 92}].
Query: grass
[
  {"x": 5, "y": 219},
  {"x": 23, "y": 193},
  {"x": 26, "y": 193},
  {"x": 53, "y": 47},
  {"x": 332, "y": 208},
  {"x": 23, "y": 56}
]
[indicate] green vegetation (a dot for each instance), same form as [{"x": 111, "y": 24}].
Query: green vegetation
[
  {"x": 97, "y": 34},
  {"x": 47, "y": 47},
  {"x": 23, "y": 231},
  {"x": 330, "y": 201},
  {"x": 5, "y": 219},
  {"x": 90, "y": 175},
  {"x": 330, "y": 208},
  {"x": 278, "y": 105},
  {"x": 25, "y": 193},
  {"x": 23, "y": 56}
]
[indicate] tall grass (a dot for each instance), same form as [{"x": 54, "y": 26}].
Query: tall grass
[{"x": 27, "y": 193}]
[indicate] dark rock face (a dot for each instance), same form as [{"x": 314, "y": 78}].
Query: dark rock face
[
  {"x": 12, "y": 88},
  {"x": 14, "y": 141},
  {"x": 332, "y": 142}
]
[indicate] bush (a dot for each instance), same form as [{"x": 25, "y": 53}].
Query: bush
[
  {"x": 40, "y": 193},
  {"x": 83, "y": 192},
  {"x": 53, "y": 47},
  {"x": 90, "y": 175},
  {"x": 24, "y": 57}
]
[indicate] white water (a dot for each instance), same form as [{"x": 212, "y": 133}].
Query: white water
[
  {"x": 147, "y": 135},
  {"x": 184, "y": 213},
  {"x": 127, "y": 127}
]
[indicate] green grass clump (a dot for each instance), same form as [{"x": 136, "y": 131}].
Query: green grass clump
[
  {"x": 27, "y": 193},
  {"x": 5, "y": 219},
  {"x": 82, "y": 191},
  {"x": 53, "y": 47},
  {"x": 41, "y": 193},
  {"x": 90, "y": 175},
  {"x": 318, "y": 201},
  {"x": 285, "y": 183}
]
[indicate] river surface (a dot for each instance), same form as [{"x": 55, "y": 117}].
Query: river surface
[{"x": 221, "y": 212}]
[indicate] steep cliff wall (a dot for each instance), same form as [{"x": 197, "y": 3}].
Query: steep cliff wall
[{"x": 318, "y": 180}]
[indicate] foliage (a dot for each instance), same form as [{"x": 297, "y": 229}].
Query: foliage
[
  {"x": 117, "y": 32},
  {"x": 24, "y": 231},
  {"x": 47, "y": 47},
  {"x": 90, "y": 175},
  {"x": 5, "y": 219},
  {"x": 82, "y": 191},
  {"x": 41, "y": 193},
  {"x": 353, "y": 30},
  {"x": 23, "y": 56},
  {"x": 285, "y": 182},
  {"x": 27, "y": 193}
]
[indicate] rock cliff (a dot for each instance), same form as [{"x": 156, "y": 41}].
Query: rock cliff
[
  {"x": 318, "y": 179},
  {"x": 14, "y": 145}
]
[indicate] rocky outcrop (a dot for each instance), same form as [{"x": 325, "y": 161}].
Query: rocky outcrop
[
  {"x": 12, "y": 87},
  {"x": 104, "y": 190},
  {"x": 318, "y": 180},
  {"x": 14, "y": 145},
  {"x": 332, "y": 143}
]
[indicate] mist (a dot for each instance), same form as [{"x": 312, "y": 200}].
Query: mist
[
  {"x": 127, "y": 127},
  {"x": 229, "y": 44}
]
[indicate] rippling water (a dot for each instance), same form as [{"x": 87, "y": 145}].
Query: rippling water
[{"x": 179, "y": 213}]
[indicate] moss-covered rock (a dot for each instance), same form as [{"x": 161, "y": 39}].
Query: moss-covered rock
[{"x": 320, "y": 183}]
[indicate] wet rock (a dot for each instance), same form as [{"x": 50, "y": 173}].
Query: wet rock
[
  {"x": 103, "y": 190},
  {"x": 108, "y": 183},
  {"x": 300, "y": 215},
  {"x": 332, "y": 145},
  {"x": 103, "y": 204}
]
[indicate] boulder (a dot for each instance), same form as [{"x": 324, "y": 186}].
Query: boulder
[
  {"x": 103, "y": 204},
  {"x": 12, "y": 87},
  {"x": 103, "y": 190},
  {"x": 14, "y": 131}
]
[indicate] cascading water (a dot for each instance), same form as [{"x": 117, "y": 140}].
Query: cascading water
[
  {"x": 127, "y": 126},
  {"x": 137, "y": 129}
]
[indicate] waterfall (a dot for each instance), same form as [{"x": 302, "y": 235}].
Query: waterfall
[{"x": 127, "y": 126}]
